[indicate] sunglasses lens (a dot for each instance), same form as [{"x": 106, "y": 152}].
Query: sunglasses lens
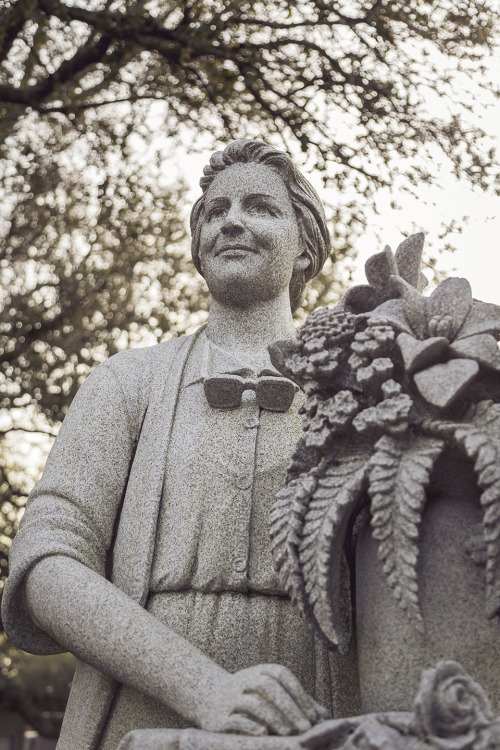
[
  {"x": 223, "y": 392},
  {"x": 275, "y": 394}
]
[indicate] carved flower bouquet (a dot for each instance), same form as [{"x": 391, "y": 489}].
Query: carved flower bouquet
[{"x": 392, "y": 379}]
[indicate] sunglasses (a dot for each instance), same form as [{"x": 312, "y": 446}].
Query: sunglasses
[{"x": 272, "y": 393}]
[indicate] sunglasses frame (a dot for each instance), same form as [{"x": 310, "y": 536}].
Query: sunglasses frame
[{"x": 260, "y": 386}]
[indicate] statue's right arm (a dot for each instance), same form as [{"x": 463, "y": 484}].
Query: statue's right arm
[
  {"x": 58, "y": 598},
  {"x": 101, "y": 625}
]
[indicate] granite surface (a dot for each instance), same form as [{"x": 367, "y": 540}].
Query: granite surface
[
  {"x": 145, "y": 551},
  {"x": 144, "y": 548},
  {"x": 387, "y": 533}
]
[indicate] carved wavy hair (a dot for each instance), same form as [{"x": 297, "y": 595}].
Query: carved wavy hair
[{"x": 305, "y": 201}]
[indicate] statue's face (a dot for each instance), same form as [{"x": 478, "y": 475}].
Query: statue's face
[{"x": 250, "y": 240}]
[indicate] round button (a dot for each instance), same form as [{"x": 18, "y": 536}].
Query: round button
[
  {"x": 243, "y": 481},
  {"x": 251, "y": 422},
  {"x": 239, "y": 564}
]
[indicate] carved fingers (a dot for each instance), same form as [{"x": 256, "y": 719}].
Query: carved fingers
[
  {"x": 258, "y": 708},
  {"x": 287, "y": 679},
  {"x": 270, "y": 696},
  {"x": 237, "y": 724}
]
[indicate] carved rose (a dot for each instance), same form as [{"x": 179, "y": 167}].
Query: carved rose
[
  {"x": 489, "y": 738},
  {"x": 450, "y": 707}
]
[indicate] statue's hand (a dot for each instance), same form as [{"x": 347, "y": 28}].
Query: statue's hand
[{"x": 265, "y": 699}]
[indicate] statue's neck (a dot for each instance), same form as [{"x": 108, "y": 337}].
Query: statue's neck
[{"x": 247, "y": 333}]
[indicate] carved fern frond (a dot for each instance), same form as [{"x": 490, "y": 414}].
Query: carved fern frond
[
  {"x": 399, "y": 472},
  {"x": 286, "y": 522},
  {"x": 338, "y": 493},
  {"x": 480, "y": 440}
]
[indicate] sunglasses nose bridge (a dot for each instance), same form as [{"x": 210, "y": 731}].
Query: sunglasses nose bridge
[{"x": 272, "y": 393}]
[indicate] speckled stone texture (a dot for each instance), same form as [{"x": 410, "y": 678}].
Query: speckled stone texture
[
  {"x": 452, "y": 595},
  {"x": 144, "y": 549},
  {"x": 387, "y": 533},
  {"x": 450, "y": 711}
]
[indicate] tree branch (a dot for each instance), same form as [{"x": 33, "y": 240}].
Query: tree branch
[
  {"x": 33, "y": 431},
  {"x": 82, "y": 106},
  {"x": 12, "y": 24},
  {"x": 91, "y": 52},
  {"x": 145, "y": 31}
]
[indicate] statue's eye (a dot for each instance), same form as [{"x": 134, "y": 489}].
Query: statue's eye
[
  {"x": 260, "y": 209},
  {"x": 217, "y": 212}
]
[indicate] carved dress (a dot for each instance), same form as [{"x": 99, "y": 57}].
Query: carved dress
[{"x": 170, "y": 497}]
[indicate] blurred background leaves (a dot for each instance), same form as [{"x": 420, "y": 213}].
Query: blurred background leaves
[{"x": 96, "y": 97}]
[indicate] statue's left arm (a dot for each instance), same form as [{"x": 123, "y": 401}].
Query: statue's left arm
[{"x": 72, "y": 510}]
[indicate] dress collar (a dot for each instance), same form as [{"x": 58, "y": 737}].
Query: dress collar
[{"x": 213, "y": 360}]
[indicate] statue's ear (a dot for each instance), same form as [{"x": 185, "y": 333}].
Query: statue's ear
[{"x": 301, "y": 262}]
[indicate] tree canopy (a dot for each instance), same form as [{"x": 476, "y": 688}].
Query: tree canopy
[
  {"x": 348, "y": 80},
  {"x": 90, "y": 94},
  {"x": 94, "y": 97}
]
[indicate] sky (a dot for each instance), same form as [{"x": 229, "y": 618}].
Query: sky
[
  {"x": 476, "y": 241},
  {"x": 477, "y": 254}
]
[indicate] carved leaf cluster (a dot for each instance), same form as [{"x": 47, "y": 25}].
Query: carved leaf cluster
[
  {"x": 308, "y": 524},
  {"x": 402, "y": 375},
  {"x": 321, "y": 557},
  {"x": 481, "y": 442},
  {"x": 399, "y": 472},
  {"x": 286, "y": 522},
  {"x": 478, "y": 436}
]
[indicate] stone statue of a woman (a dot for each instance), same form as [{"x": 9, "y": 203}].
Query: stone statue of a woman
[{"x": 144, "y": 549}]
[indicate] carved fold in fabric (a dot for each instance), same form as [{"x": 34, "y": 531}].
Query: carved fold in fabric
[{"x": 272, "y": 393}]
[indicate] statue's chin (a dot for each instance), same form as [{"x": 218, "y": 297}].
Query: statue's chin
[
  {"x": 242, "y": 296},
  {"x": 235, "y": 291}
]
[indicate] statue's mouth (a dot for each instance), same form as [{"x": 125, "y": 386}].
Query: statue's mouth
[{"x": 235, "y": 249}]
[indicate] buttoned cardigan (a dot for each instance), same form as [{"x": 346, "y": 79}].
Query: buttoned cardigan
[{"x": 107, "y": 518}]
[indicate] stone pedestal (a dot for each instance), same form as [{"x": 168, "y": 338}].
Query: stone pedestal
[
  {"x": 401, "y": 425},
  {"x": 452, "y": 593}
]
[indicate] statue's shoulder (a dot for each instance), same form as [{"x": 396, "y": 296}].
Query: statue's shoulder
[
  {"x": 136, "y": 362},
  {"x": 131, "y": 374}
]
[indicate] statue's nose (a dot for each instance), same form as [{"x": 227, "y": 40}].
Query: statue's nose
[{"x": 232, "y": 224}]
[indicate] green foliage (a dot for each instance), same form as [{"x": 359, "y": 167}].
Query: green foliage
[
  {"x": 35, "y": 686},
  {"x": 93, "y": 248}
]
